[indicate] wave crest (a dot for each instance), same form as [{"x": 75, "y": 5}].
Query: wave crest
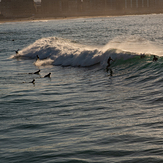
[{"x": 64, "y": 52}]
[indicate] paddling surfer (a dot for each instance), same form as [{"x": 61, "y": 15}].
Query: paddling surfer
[
  {"x": 33, "y": 81},
  {"x": 37, "y": 72},
  {"x": 48, "y": 75}
]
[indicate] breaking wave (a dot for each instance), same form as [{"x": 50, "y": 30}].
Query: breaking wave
[{"x": 64, "y": 52}]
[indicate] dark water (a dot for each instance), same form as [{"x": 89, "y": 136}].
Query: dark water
[{"x": 82, "y": 113}]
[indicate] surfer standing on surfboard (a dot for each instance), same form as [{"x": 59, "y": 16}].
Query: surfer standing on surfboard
[{"x": 109, "y": 59}]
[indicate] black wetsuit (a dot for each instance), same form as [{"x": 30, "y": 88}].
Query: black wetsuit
[
  {"x": 109, "y": 59},
  {"x": 155, "y": 58}
]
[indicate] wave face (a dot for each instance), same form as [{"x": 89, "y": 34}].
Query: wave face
[{"x": 63, "y": 52}]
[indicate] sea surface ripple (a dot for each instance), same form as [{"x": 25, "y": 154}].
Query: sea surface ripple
[{"x": 82, "y": 113}]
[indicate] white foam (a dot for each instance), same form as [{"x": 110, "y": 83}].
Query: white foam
[
  {"x": 43, "y": 62},
  {"x": 64, "y": 52}
]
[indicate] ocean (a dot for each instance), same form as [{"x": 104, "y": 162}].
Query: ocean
[{"x": 82, "y": 113}]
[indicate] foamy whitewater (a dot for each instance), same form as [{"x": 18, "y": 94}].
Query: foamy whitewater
[{"x": 82, "y": 112}]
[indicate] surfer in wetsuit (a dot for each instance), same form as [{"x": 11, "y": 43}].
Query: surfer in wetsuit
[
  {"x": 37, "y": 58},
  {"x": 48, "y": 75},
  {"x": 155, "y": 58},
  {"x": 109, "y": 59},
  {"x": 16, "y": 51},
  {"x": 33, "y": 81},
  {"x": 142, "y": 56},
  {"x": 107, "y": 67},
  {"x": 37, "y": 72}
]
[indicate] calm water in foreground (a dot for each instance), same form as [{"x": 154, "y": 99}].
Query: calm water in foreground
[{"x": 82, "y": 113}]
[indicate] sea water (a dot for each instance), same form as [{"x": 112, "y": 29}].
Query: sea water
[{"x": 82, "y": 113}]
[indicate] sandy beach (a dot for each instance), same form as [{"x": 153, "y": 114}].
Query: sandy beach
[
  {"x": 5, "y": 20},
  {"x": 36, "y": 18},
  {"x": 41, "y": 18}
]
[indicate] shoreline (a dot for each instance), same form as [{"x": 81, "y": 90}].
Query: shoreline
[
  {"x": 37, "y": 18},
  {"x": 8, "y": 20}
]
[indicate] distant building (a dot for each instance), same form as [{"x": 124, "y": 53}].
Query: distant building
[
  {"x": 17, "y": 8},
  {"x": 99, "y": 7}
]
